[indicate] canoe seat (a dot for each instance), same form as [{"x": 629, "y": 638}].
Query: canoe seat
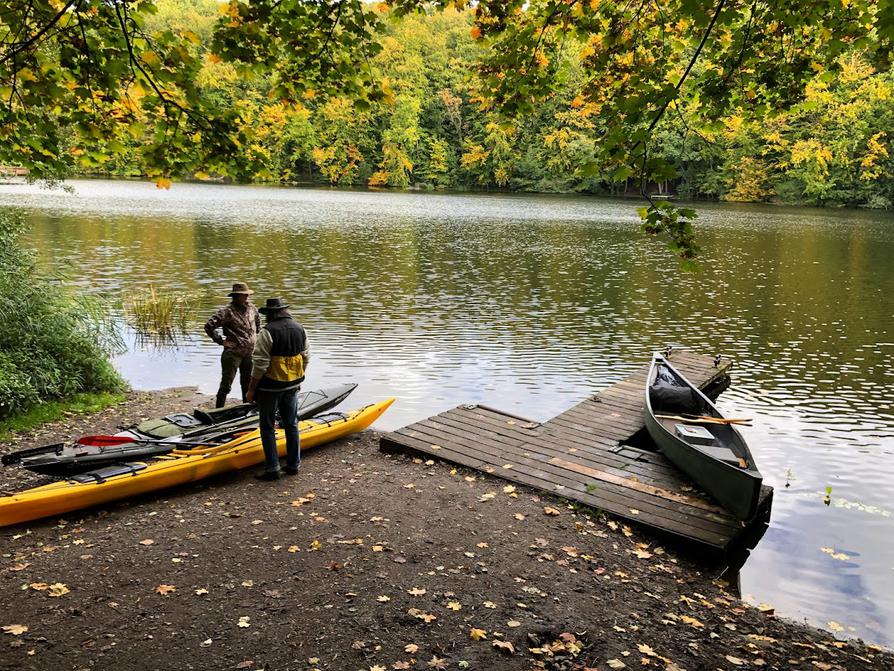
[{"x": 719, "y": 452}]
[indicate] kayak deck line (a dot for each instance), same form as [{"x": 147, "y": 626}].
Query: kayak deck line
[{"x": 597, "y": 453}]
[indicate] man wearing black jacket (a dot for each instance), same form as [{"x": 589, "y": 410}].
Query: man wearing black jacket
[{"x": 279, "y": 360}]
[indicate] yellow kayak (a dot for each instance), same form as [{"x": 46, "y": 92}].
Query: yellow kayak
[{"x": 180, "y": 467}]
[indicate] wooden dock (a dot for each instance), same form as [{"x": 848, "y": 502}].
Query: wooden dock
[{"x": 596, "y": 453}]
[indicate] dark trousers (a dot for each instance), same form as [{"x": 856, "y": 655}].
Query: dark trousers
[
  {"x": 230, "y": 363},
  {"x": 287, "y": 404}
]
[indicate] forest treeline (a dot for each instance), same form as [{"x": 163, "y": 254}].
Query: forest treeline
[{"x": 431, "y": 131}]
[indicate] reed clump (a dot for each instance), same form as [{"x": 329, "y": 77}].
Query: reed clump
[{"x": 159, "y": 312}]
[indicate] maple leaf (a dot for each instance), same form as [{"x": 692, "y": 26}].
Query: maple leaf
[
  {"x": 383, "y": 598},
  {"x": 315, "y": 545},
  {"x": 39, "y": 586},
  {"x": 243, "y": 621},
  {"x": 612, "y": 525},
  {"x": 57, "y": 589},
  {"x": 411, "y": 648},
  {"x": 437, "y": 662},
  {"x": 454, "y": 605},
  {"x": 691, "y": 621},
  {"x": 504, "y": 646},
  {"x": 549, "y": 510},
  {"x": 477, "y": 634},
  {"x": 509, "y": 489},
  {"x": 19, "y": 567},
  {"x": 646, "y": 650},
  {"x": 14, "y": 629},
  {"x": 426, "y": 617},
  {"x": 165, "y": 589},
  {"x": 294, "y": 548},
  {"x": 416, "y": 591},
  {"x": 642, "y": 554},
  {"x": 487, "y": 497},
  {"x": 377, "y": 667},
  {"x": 399, "y": 666},
  {"x": 201, "y": 591},
  {"x": 834, "y": 626},
  {"x": 378, "y": 548},
  {"x": 489, "y": 604}
]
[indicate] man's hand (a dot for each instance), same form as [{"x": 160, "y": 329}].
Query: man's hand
[{"x": 250, "y": 392}]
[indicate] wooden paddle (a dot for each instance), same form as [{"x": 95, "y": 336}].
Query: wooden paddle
[{"x": 739, "y": 421}]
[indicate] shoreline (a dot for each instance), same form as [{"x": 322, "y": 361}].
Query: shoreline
[{"x": 371, "y": 561}]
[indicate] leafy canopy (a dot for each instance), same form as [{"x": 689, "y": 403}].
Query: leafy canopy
[{"x": 81, "y": 78}]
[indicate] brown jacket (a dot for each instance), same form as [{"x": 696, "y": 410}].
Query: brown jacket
[{"x": 240, "y": 324}]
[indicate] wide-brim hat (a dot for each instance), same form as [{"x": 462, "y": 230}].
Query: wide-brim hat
[
  {"x": 273, "y": 305},
  {"x": 240, "y": 288}
]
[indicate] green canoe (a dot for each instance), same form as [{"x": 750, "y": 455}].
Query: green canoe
[{"x": 714, "y": 455}]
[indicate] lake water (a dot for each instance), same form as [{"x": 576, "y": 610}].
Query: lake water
[{"x": 529, "y": 303}]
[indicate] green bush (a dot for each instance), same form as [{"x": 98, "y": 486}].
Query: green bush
[{"x": 52, "y": 344}]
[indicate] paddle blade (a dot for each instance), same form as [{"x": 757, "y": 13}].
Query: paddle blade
[{"x": 103, "y": 441}]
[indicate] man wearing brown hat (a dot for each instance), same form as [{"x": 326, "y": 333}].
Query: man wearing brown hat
[{"x": 239, "y": 323}]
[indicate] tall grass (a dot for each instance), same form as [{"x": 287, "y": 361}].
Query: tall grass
[
  {"x": 155, "y": 312},
  {"x": 53, "y": 343}
]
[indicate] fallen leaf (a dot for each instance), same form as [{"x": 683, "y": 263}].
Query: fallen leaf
[
  {"x": 834, "y": 626},
  {"x": 378, "y": 548},
  {"x": 416, "y": 591},
  {"x": 411, "y": 648},
  {"x": 646, "y": 650},
  {"x": 400, "y": 666},
  {"x": 19, "y": 567},
  {"x": 509, "y": 489},
  {"x": 294, "y": 548},
  {"x": 642, "y": 554},
  {"x": 201, "y": 591},
  {"x": 513, "y": 624},
  {"x": 243, "y": 621},
  {"x": 519, "y": 516},
  {"x": 425, "y": 617},
  {"x": 57, "y": 589},
  {"x": 735, "y": 660},
  {"x": 477, "y": 634},
  {"x": 14, "y": 629},
  {"x": 147, "y": 541},
  {"x": 454, "y": 605},
  {"x": 246, "y": 664},
  {"x": 206, "y": 643},
  {"x": 489, "y": 604},
  {"x": 377, "y": 667},
  {"x": 248, "y": 583},
  {"x": 616, "y": 664},
  {"x": 504, "y": 646},
  {"x": 165, "y": 589},
  {"x": 437, "y": 662},
  {"x": 691, "y": 621},
  {"x": 549, "y": 510},
  {"x": 315, "y": 545},
  {"x": 39, "y": 586}
]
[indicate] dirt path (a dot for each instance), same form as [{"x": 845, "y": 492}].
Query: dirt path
[{"x": 370, "y": 562}]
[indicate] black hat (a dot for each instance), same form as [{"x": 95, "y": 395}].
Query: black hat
[{"x": 273, "y": 304}]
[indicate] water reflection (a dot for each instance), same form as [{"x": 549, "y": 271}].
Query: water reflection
[{"x": 529, "y": 304}]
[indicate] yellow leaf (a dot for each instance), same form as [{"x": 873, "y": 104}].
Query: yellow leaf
[
  {"x": 454, "y": 605},
  {"x": 57, "y": 589},
  {"x": 315, "y": 545},
  {"x": 39, "y": 586},
  {"x": 165, "y": 589},
  {"x": 201, "y": 591},
  {"x": 411, "y": 648},
  {"x": 244, "y": 622},
  {"x": 549, "y": 510},
  {"x": 477, "y": 634},
  {"x": 16, "y": 629},
  {"x": 162, "y": 183},
  {"x": 691, "y": 621}
]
